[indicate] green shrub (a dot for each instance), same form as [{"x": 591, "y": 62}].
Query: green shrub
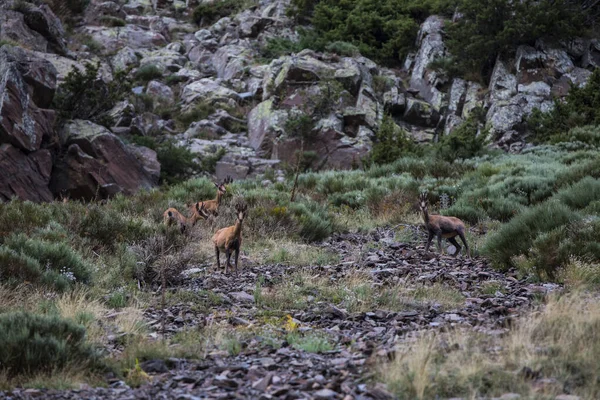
[
  {"x": 177, "y": 163},
  {"x": 110, "y": 227},
  {"x": 83, "y": 95},
  {"x": 487, "y": 29},
  {"x": 384, "y": 30},
  {"x": 38, "y": 261},
  {"x": 277, "y": 47},
  {"x": 517, "y": 236},
  {"x": 32, "y": 344},
  {"x": 464, "y": 142},
  {"x": 208, "y": 13},
  {"x": 314, "y": 220},
  {"x": 148, "y": 72},
  {"x": 391, "y": 143},
  {"x": 200, "y": 111},
  {"x": 579, "y": 108},
  {"x": 343, "y": 48},
  {"x": 114, "y": 22},
  {"x": 579, "y": 195}
]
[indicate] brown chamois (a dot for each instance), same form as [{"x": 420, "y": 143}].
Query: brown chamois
[
  {"x": 212, "y": 206},
  {"x": 230, "y": 239},
  {"x": 173, "y": 217},
  {"x": 443, "y": 227}
]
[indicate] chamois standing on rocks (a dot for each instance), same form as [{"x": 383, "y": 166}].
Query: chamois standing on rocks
[
  {"x": 212, "y": 206},
  {"x": 229, "y": 239},
  {"x": 173, "y": 217},
  {"x": 443, "y": 227}
]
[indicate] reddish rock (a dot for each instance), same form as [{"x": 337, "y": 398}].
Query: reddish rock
[
  {"x": 97, "y": 163},
  {"x": 25, "y": 176},
  {"x": 25, "y": 80}
]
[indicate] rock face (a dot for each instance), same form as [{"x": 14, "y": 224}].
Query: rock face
[
  {"x": 26, "y": 82},
  {"x": 25, "y": 176},
  {"x": 97, "y": 163}
]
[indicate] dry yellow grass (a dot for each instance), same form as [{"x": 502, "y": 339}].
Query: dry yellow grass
[{"x": 560, "y": 342}]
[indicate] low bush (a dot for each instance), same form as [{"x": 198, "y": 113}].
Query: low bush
[
  {"x": 31, "y": 344},
  {"x": 517, "y": 236},
  {"x": 580, "y": 108},
  {"x": 54, "y": 264},
  {"x": 84, "y": 95},
  {"x": 209, "y": 13},
  {"x": 148, "y": 72},
  {"x": 391, "y": 143},
  {"x": 464, "y": 142}
]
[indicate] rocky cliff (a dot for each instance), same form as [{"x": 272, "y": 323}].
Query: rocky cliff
[{"x": 261, "y": 111}]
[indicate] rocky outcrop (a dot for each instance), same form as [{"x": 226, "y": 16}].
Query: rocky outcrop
[
  {"x": 97, "y": 164},
  {"x": 25, "y": 176},
  {"x": 27, "y": 86}
]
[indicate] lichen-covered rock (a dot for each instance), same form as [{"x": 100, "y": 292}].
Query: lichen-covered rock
[
  {"x": 124, "y": 59},
  {"x": 591, "y": 54},
  {"x": 25, "y": 176},
  {"x": 231, "y": 61},
  {"x": 164, "y": 60},
  {"x": 42, "y": 20},
  {"x": 97, "y": 163},
  {"x": 394, "y": 102},
  {"x": 431, "y": 47},
  {"x": 207, "y": 89},
  {"x": 503, "y": 84},
  {"x": 421, "y": 113},
  {"x": 136, "y": 37},
  {"x": 367, "y": 102},
  {"x": 64, "y": 65},
  {"x": 148, "y": 160},
  {"x": 24, "y": 80},
  {"x": 160, "y": 92},
  {"x": 13, "y": 28},
  {"x": 265, "y": 124}
]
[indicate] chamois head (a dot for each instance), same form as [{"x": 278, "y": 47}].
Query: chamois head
[
  {"x": 423, "y": 201},
  {"x": 228, "y": 180},
  {"x": 241, "y": 211},
  {"x": 220, "y": 188}
]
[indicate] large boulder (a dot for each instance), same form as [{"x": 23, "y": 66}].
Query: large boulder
[
  {"x": 97, "y": 163},
  {"x": 165, "y": 60},
  {"x": 13, "y": 28},
  {"x": 207, "y": 90},
  {"x": 25, "y": 82},
  {"x": 136, "y": 37},
  {"x": 25, "y": 176},
  {"x": 265, "y": 124},
  {"x": 503, "y": 84},
  {"x": 431, "y": 47},
  {"x": 42, "y": 20},
  {"x": 232, "y": 61}
]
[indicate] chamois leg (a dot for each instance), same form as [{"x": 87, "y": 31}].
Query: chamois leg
[
  {"x": 218, "y": 261},
  {"x": 237, "y": 254},
  {"x": 455, "y": 244},
  {"x": 228, "y": 252},
  {"x": 429, "y": 239},
  {"x": 439, "y": 243},
  {"x": 462, "y": 238}
]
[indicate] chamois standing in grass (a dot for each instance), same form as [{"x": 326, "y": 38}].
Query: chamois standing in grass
[
  {"x": 173, "y": 217},
  {"x": 212, "y": 206},
  {"x": 229, "y": 239},
  {"x": 443, "y": 227}
]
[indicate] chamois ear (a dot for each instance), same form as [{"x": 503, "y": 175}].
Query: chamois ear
[{"x": 216, "y": 184}]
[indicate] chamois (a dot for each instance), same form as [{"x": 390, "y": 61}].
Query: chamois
[
  {"x": 212, "y": 206},
  {"x": 173, "y": 217},
  {"x": 230, "y": 239},
  {"x": 442, "y": 227}
]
